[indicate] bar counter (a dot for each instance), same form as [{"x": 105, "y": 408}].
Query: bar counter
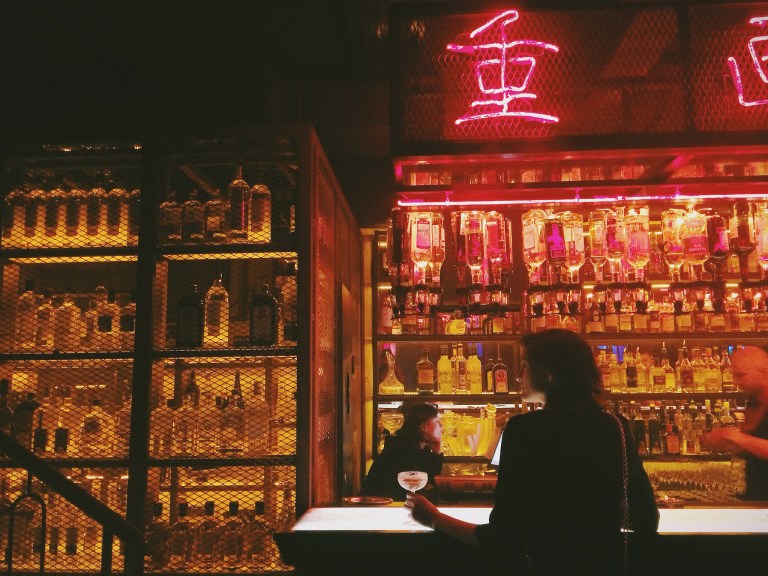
[{"x": 385, "y": 540}]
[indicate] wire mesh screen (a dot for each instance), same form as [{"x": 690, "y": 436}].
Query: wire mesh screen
[
  {"x": 205, "y": 519},
  {"x": 589, "y": 72},
  {"x": 71, "y": 541}
]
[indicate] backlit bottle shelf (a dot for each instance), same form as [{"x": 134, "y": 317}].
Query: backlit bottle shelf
[
  {"x": 188, "y": 252},
  {"x": 251, "y": 351},
  {"x": 95, "y": 254},
  {"x": 458, "y": 399},
  {"x": 234, "y": 460}
]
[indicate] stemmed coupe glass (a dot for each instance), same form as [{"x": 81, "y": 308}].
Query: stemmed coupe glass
[
  {"x": 391, "y": 422},
  {"x": 412, "y": 480}
]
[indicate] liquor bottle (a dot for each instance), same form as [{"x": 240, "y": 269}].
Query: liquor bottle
[
  {"x": 216, "y": 219},
  {"x": 161, "y": 428},
  {"x": 699, "y": 426},
  {"x": 23, "y": 420},
  {"x": 26, "y": 318},
  {"x": 639, "y": 429},
  {"x": 192, "y": 220},
  {"x": 208, "y": 426},
  {"x": 123, "y": 422},
  {"x": 617, "y": 380},
  {"x": 630, "y": 371},
  {"x": 263, "y": 318},
  {"x": 259, "y": 539},
  {"x": 425, "y": 374},
  {"x": 89, "y": 324},
  {"x": 180, "y": 540},
  {"x": 207, "y": 539},
  {"x": 170, "y": 220},
  {"x": 107, "y": 320},
  {"x": 474, "y": 371},
  {"x": 604, "y": 368},
  {"x": 488, "y": 374},
  {"x": 231, "y": 539},
  {"x": 286, "y": 281},
  {"x": 698, "y": 371},
  {"x": 657, "y": 378},
  {"x": 66, "y": 441},
  {"x": 444, "y": 372},
  {"x": 95, "y": 225},
  {"x": 185, "y": 423},
  {"x": 134, "y": 198},
  {"x": 595, "y": 318},
  {"x": 713, "y": 378},
  {"x": 117, "y": 217},
  {"x": 127, "y": 322},
  {"x": 40, "y": 435},
  {"x": 6, "y": 415},
  {"x": 96, "y": 431},
  {"x": 671, "y": 439},
  {"x": 670, "y": 378},
  {"x": 156, "y": 539},
  {"x": 74, "y": 217},
  {"x": 654, "y": 432},
  {"x": 44, "y": 317},
  {"x": 11, "y": 218},
  {"x": 727, "y": 373},
  {"x": 189, "y": 320},
  {"x": 461, "y": 386},
  {"x": 257, "y": 421},
  {"x": 66, "y": 325},
  {"x": 238, "y": 193},
  {"x": 216, "y": 322},
  {"x": 643, "y": 383},
  {"x": 232, "y": 423},
  {"x": 686, "y": 372},
  {"x": 260, "y": 214},
  {"x": 500, "y": 375},
  {"x": 741, "y": 236},
  {"x": 726, "y": 420}
]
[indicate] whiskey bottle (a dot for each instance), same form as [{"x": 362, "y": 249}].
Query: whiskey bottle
[
  {"x": 192, "y": 220},
  {"x": 257, "y": 421},
  {"x": 654, "y": 432},
  {"x": 206, "y": 547},
  {"x": 425, "y": 370},
  {"x": 630, "y": 371},
  {"x": 488, "y": 374},
  {"x": 170, "y": 220},
  {"x": 500, "y": 375},
  {"x": 156, "y": 539},
  {"x": 238, "y": 193},
  {"x": 263, "y": 318},
  {"x": 657, "y": 378},
  {"x": 189, "y": 320},
  {"x": 260, "y": 214},
  {"x": 216, "y": 323},
  {"x": 180, "y": 540},
  {"x": 474, "y": 371},
  {"x": 444, "y": 372},
  {"x": 259, "y": 539},
  {"x": 26, "y": 317},
  {"x": 686, "y": 372},
  {"x": 670, "y": 378},
  {"x": 216, "y": 219},
  {"x": 604, "y": 368},
  {"x": 232, "y": 533}
]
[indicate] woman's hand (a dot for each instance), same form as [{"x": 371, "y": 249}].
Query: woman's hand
[
  {"x": 436, "y": 446},
  {"x": 422, "y": 510}
]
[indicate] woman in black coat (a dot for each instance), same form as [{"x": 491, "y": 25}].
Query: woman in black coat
[{"x": 559, "y": 502}]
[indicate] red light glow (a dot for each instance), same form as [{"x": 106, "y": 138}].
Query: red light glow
[
  {"x": 503, "y": 70},
  {"x": 758, "y": 61}
]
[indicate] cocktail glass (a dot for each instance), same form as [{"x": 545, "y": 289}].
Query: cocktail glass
[
  {"x": 412, "y": 480},
  {"x": 391, "y": 422}
]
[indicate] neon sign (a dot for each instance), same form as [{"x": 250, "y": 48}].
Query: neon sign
[
  {"x": 499, "y": 63},
  {"x": 758, "y": 61}
]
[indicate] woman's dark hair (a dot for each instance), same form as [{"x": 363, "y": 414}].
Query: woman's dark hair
[
  {"x": 562, "y": 366},
  {"x": 415, "y": 417}
]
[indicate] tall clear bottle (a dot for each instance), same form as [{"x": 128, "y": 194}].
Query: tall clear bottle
[
  {"x": 26, "y": 318},
  {"x": 216, "y": 219},
  {"x": 66, "y": 325},
  {"x": 208, "y": 427},
  {"x": 260, "y": 214},
  {"x": 207, "y": 539},
  {"x": 257, "y": 421},
  {"x": 160, "y": 429},
  {"x": 181, "y": 540},
  {"x": 44, "y": 317},
  {"x": 238, "y": 193},
  {"x": 186, "y": 423},
  {"x": 170, "y": 220},
  {"x": 232, "y": 534},
  {"x": 216, "y": 323},
  {"x": 192, "y": 220},
  {"x": 232, "y": 429}
]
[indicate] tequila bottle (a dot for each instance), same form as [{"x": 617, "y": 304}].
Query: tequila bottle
[
  {"x": 260, "y": 214},
  {"x": 238, "y": 193},
  {"x": 189, "y": 320},
  {"x": 216, "y": 219},
  {"x": 207, "y": 539},
  {"x": 180, "y": 540},
  {"x": 425, "y": 370},
  {"x": 170, "y": 220},
  {"x": 26, "y": 317},
  {"x": 232, "y": 534},
  {"x": 192, "y": 220},
  {"x": 216, "y": 324}
]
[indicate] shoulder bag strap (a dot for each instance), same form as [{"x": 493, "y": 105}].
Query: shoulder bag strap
[{"x": 625, "y": 497}]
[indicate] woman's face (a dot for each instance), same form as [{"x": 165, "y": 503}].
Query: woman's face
[
  {"x": 432, "y": 429},
  {"x": 527, "y": 391}
]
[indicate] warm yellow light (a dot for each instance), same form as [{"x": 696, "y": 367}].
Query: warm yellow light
[
  {"x": 29, "y": 260},
  {"x": 231, "y": 256}
]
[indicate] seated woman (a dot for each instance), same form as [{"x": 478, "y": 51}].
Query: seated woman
[{"x": 416, "y": 446}]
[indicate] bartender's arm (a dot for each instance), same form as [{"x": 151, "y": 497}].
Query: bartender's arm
[
  {"x": 731, "y": 439},
  {"x": 426, "y": 513}
]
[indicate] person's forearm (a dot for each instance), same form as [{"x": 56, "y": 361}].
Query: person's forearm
[
  {"x": 455, "y": 528},
  {"x": 755, "y": 446}
]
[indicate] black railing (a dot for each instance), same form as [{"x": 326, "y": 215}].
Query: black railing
[{"x": 112, "y": 524}]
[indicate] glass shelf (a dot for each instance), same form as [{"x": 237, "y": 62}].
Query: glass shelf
[
  {"x": 188, "y": 252},
  {"x": 257, "y": 351},
  {"x": 264, "y": 460},
  {"x": 86, "y": 255}
]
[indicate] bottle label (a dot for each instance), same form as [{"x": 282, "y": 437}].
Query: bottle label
[
  {"x": 667, "y": 323},
  {"x": 425, "y": 378},
  {"x": 492, "y": 234},
  {"x": 659, "y": 381},
  {"x": 423, "y": 234},
  {"x": 104, "y": 323},
  {"x": 684, "y": 322},
  {"x": 686, "y": 378},
  {"x": 555, "y": 242},
  {"x": 717, "y": 323},
  {"x": 529, "y": 237},
  {"x": 625, "y": 322},
  {"x": 696, "y": 247},
  {"x": 500, "y": 377},
  {"x": 213, "y": 317}
]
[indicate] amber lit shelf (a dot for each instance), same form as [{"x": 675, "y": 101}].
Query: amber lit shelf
[
  {"x": 98, "y": 254},
  {"x": 64, "y": 356},
  {"x": 623, "y": 337},
  {"x": 686, "y": 457},
  {"x": 74, "y": 462},
  {"x": 674, "y": 396},
  {"x": 205, "y": 462},
  {"x": 252, "y": 351},
  {"x": 437, "y": 338},
  {"x": 227, "y": 251},
  {"x": 459, "y": 399},
  {"x": 465, "y": 459}
]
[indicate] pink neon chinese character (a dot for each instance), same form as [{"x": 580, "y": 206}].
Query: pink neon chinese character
[
  {"x": 757, "y": 49},
  {"x": 498, "y": 61}
]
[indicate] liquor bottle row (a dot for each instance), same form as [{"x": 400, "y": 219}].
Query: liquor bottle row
[
  {"x": 58, "y": 426},
  {"x": 204, "y": 321},
  {"x": 633, "y": 371},
  {"x": 676, "y": 429},
  {"x": 454, "y": 374},
  {"x": 57, "y": 218},
  {"x": 204, "y": 425},
  {"x": 50, "y": 322},
  {"x": 238, "y": 540}
]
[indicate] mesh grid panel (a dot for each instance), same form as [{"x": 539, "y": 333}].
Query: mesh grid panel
[{"x": 619, "y": 71}]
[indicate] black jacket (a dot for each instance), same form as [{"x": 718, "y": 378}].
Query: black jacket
[{"x": 558, "y": 505}]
